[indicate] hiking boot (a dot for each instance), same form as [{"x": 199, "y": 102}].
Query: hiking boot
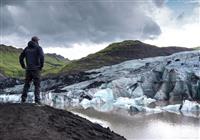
[{"x": 23, "y": 101}]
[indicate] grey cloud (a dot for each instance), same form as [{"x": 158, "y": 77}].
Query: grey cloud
[
  {"x": 7, "y": 21},
  {"x": 151, "y": 30},
  {"x": 159, "y": 3},
  {"x": 12, "y": 2},
  {"x": 87, "y": 21}
]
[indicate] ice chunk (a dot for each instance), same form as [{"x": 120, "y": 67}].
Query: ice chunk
[
  {"x": 172, "y": 108},
  {"x": 124, "y": 102},
  {"x": 97, "y": 101},
  {"x": 59, "y": 99},
  {"x": 75, "y": 102},
  {"x": 97, "y": 104},
  {"x": 188, "y": 109},
  {"x": 16, "y": 89},
  {"x": 187, "y": 106},
  {"x": 9, "y": 98},
  {"x": 190, "y": 106},
  {"x": 144, "y": 101},
  {"x": 153, "y": 110},
  {"x": 105, "y": 107},
  {"x": 16, "y": 98},
  {"x": 85, "y": 103},
  {"x": 138, "y": 92},
  {"x": 105, "y": 94}
]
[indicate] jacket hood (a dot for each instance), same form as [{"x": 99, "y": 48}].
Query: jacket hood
[{"x": 32, "y": 44}]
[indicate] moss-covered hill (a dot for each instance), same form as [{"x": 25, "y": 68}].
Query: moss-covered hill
[
  {"x": 9, "y": 62},
  {"x": 119, "y": 52},
  {"x": 197, "y": 48}
]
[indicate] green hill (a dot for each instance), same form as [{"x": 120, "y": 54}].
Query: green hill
[
  {"x": 9, "y": 62},
  {"x": 119, "y": 52},
  {"x": 197, "y": 48}
]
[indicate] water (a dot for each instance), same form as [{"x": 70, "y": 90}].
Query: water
[{"x": 161, "y": 126}]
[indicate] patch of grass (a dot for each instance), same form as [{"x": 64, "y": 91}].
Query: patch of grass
[
  {"x": 9, "y": 63},
  {"x": 119, "y": 46},
  {"x": 197, "y": 48}
]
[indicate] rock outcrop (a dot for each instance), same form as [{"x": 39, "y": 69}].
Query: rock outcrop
[{"x": 2, "y": 77}]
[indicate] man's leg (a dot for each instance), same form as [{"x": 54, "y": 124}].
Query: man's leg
[
  {"x": 36, "y": 81},
  {"x": 28, "y": 79}
]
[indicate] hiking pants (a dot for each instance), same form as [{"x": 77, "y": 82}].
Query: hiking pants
[{"x": 32, "y": 75}]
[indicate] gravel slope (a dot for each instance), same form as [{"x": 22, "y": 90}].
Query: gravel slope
[{"x": 30, "y": 122}]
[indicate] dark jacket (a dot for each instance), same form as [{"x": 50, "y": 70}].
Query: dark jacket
[{"x": 34, "y": 57}]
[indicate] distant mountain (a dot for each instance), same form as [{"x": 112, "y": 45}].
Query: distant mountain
[
  {"x": 119, "y": 52},
  {"x": 9, "y": 62},
  {"x": 57, "y": 56}
]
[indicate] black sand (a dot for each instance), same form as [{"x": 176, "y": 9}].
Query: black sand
[{"x": 30, "y": 122}]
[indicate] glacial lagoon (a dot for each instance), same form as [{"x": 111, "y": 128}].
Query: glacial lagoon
[{"x": 160, "y": 126}]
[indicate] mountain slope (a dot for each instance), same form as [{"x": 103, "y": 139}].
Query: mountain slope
[
  {"x": 9, "y": 64},
  {"x": 119, "y": 52},
  {"x": 197, "y": 48}
]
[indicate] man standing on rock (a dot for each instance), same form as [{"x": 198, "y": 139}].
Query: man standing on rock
[{"x": 34, "y": 57}]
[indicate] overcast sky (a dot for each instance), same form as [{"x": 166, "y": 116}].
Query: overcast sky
[{"x": 76, "y": 28}]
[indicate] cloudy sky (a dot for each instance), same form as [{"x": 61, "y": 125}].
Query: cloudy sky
[{"x": 76, "y": 28}]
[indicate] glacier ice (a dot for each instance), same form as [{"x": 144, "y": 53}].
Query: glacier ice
[
  {"x": 16, "y": 98},
  {"x": 172, "y": 108},
  {"x": 139, "y": 103},
  {"x": 190, "y": 106},
  {"x": 124, "y": 102},
  {"x": 85, "y": 103},
  {"x": 105, "y": 95},
  {"x": 187, "y": 108},
  {"x": 9, "y": 98}
]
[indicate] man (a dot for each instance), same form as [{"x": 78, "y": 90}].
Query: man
[{"x": 34, "y": 57}]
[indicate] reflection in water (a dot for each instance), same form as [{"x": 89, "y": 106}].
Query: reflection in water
[{"x": 162, "y": 126}]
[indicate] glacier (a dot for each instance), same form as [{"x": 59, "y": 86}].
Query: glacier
[{"x": 132, "y": 85}]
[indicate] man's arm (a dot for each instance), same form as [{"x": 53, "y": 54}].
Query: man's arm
[
  {"x": 41, "y": 57},
  {"x": 21, "y": 59}
]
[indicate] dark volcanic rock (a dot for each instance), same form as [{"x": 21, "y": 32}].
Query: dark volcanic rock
[
  {"x": 9, "y": 82},
  {"x": 2, "y": 77},
  {"x": 57, "y": 56},
  {"x": 20, "y": 122},
  {"x": 56, "y": 83}
]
